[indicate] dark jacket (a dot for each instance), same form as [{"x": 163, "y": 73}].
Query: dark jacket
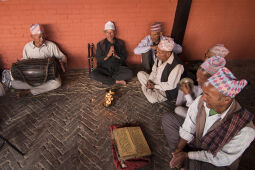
[{"x": 111, "y": 65}]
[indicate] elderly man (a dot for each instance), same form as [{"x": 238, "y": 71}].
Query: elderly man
[
  {"x": 192, "y": 66},
  {"x": 111, "y": 56},
  {"x": 161, "y": 84},
  {"x": 187, "y": 94},
  {"x": 217, "y": 129},
  {"x": 217, "y": 50},
  {"x": 148, "y": 47},
  {"x": 39, "y": 48}
]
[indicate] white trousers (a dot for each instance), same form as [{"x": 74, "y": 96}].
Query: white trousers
[
  {"x": 181, "y": 111},
  {"x": 48, "y": 86},
  {"x": 152, "y": 95}
]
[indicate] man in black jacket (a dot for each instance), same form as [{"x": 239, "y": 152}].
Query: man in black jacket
[{"x": 111, "y": 55}]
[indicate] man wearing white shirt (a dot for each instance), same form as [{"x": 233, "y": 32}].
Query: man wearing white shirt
[
  {"x": 187, "y": 94},
  {"x": 148, "y": 46},
  {"x": 160, "y": 85},
  {"x": 216, "y": 129},
  {"x": 40, "y": 48}
]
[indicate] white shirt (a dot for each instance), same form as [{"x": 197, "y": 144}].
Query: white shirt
[
  {"x": 145, "y": 45},
  {"x": 173, "y": 78},
  {"x": 48, "y": 49},
  {"x": 188, "y": 99},
  {"x": 230, "y": 152}
]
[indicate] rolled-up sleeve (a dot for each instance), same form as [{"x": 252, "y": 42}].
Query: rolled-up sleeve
[
  {"x": 189, "y": 99},
  {"x": 58, "y": 54},
  {"x": 188, "y": 129},
  {"x": 144, "y": 46},
  {"x": 230, "y": 152}
]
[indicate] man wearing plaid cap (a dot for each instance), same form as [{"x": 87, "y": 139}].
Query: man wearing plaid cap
[
  {"x": 217, "y": 50},
  {"x": 216, "y": 130},
  {"x": 187, "y": 93}
]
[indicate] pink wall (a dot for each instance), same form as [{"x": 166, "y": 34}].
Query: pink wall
[
  {"x": 74, "y": 24},
  {"x": 229, "y": 22}
]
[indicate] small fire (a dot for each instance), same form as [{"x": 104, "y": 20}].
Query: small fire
[{"x": 108, "y": 98}]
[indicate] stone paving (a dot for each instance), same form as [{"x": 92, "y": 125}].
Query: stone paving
[{"x": 69, "y": 128}]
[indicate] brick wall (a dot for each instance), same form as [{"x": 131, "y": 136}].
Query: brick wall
[
  {"x": 229, "y": 22},
  {"x": 74, "y": 24}
]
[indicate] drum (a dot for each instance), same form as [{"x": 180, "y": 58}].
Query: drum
[{"x": 35, "y": 71}]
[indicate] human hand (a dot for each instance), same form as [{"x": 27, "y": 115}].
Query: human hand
[
  {"x": 111, "y": 51},
  {"x": 177, "y": 150},
  {"x": 150, "y": 84},
  {"x": 116, "y": 56},
  {"x": 185, "y": 87},
  {"x": 178, "y": 158}
]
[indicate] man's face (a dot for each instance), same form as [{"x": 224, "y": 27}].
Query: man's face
[
  {"x": 202, "y": 76},
  {"x": 155, "y": 36},
  {"x": 38, "y": 39},
  {"x": 209, "y": 54},
  {"x": 213, "y": 98},
  {"x": 163, "y": 55},
  {"x": 110, "y": 34}
]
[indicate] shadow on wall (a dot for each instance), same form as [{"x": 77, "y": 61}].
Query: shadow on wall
[
  {"x": 185, "y": 56},
  {"x": 48, "y": 30},
  {"x": 1, "y": 65},
  {"x": 71, "y": 61},
  {"x": 49, "y": 35}
]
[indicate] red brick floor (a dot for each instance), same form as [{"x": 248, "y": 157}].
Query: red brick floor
[{"x": 65, "y": 129}]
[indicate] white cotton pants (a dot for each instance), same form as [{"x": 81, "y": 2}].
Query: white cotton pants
[
  {"x": 48, "y": 86},
  {"x": 181, "y": 111},
  {"x": 152, "y": 95}
]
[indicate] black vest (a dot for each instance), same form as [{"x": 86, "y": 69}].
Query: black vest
[{"x": 170, "y": 94}]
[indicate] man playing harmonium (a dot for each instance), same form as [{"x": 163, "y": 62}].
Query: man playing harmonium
[{"x": 40, "y": 48}]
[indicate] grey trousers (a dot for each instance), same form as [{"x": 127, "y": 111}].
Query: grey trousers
[
  {"x": 124, "y": 73},
  {"x": 48, "y": 86},
  {"x": 198, "y": 165},
  {"x": 147, "y": 61},
  {"x": 171, "y": 124}
]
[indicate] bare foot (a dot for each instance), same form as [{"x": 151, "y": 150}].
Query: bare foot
[
  {"x": 23, "y": 93},
  {"x": 122, "y": 82}
]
